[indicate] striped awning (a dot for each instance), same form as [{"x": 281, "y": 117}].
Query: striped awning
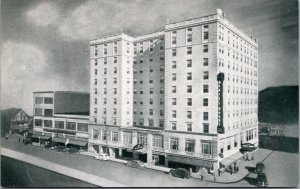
[
  {"x": 190, "y": 161},
  {"x": 231, "y": 159},
  {"x": 43, "y": 137},
  {"x": 61, "y": 140},
  {"x": 77, "y": 142}
]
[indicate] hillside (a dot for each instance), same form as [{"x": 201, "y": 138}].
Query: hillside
[{"x": 279, "y": 105}]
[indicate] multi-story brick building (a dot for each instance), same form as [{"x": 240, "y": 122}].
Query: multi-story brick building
[
  {"x": 188, "y": 93},
  {"x": 60, "y": 117}
]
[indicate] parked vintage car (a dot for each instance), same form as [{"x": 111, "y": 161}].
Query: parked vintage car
[
  {"x": 138, "y": 146},
  {"x": 180, "y": 172},
  {"x": 102, "y": 157},
  {"x": 135, "y": 164},
  {"x": 247, "y": 147},
  {"x": 262, "y": 180}
]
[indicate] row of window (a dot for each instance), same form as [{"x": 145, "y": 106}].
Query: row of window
[
  {"x": 140, "y": 122},
  {"x": 246, "y": 101},
  {"x": 104, "y": 48},
  {"x": 135, "y": 71},
  {"x": 40, "y": 112},
  {"x": 190, "y": 146},
  {"x": 189, "y": 127},
  {"x": 189, "y": 50},
  {"x": 189, "y": 115},
  {"x": 61, "y": 125},
  {"x": 246, "y": 111},
  {"x": 139, "y": 47},
  {"x": 189, "y": 63},
  {"x": 43, "y": 100},
  {"x": 189, "y": 101},
  {"x": 189, "y": 35}
]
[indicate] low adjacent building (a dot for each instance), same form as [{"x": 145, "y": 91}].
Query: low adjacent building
[{"x": 61, "y": 117}]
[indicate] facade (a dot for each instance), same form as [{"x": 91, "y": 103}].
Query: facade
[
  {"x": 61, "y": 117},
  {"x": 14, "y": 119},
  {"x": 188, "y": 93}
]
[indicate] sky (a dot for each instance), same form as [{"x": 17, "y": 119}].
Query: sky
[{"x": 45, "y": 43}]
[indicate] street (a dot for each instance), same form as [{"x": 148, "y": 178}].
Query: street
[{"x": 152, "y": 178}]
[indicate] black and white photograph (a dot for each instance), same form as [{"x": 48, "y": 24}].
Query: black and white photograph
[{"x": 149, "y": 93}]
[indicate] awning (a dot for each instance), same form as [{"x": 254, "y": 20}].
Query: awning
[
  {"x": 61, "y": 140},
  {"x": 190, "y": 161},
  {"x": 77, "y": 142},
  {"x": 231, "y": 159},
  {"x": 43, "y": 137}
]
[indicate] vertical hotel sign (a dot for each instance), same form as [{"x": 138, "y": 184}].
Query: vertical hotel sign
[{"x": 220, "y": 128}]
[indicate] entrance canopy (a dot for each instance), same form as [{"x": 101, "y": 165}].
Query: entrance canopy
[
  {"x": 77, "y": 142},
  {"x": 190, "y": 161},
  {"x": 61, "y": 140},
  {"x": 43, "y": 137},
  {"x": 231, "y": 159}
]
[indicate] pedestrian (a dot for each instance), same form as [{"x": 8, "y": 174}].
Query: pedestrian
[
  {"x": 230, "y": 170},
  {"x": 247, "y": 156},
  {"x": 252, "y": 158},
  {"x": 202, "y": 177},
  {"x": 237, "y": 169},
  {"x": 219, "y": 172},
  {"x": 214, "y": 178},
  {"x": 19, "y": 139}
]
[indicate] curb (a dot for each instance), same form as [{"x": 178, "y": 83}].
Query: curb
[{"x": 231, "y": 182}]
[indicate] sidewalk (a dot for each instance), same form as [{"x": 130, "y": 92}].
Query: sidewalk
[{"x": 226, "y": 177}]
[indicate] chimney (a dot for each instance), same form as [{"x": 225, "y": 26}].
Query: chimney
[{"x": 219, "y": 11}]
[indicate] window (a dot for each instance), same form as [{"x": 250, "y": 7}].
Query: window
[
  {"x": 205, "y": 116},
  {"x": 105, "y": 61},
  {"x": 162, "y": 68},
  {"x": 174, "y": 113},
  {"x": 173, "y": 143},
  {"x": 82, "y": 127},
  {"x": 151, "y": 123},
  {"x": 104, "y": 100},
  {"x": 115, "y": 136},
  {"x": 115, "y": 90},
  {"x": 206, "y": 147},
  {"x": 205, "y": 61},
  {"x": 189, "y": 102},
  {"x": 161, "y": 112},
  {"x": 150, "y": 111},
  {"x": 95, "y": 100},
  {"x": 189, "y": 50},
  {"x": 189, "y": 63},
  {"x": 205, "y": 128},
  {"x": 189, "y": 145},
  {"x": 205, "y": 102},
  {"x": 189, "y": 35},
  {"x": 161, "y": 123},
  {"x": 173, "y": 52},
  {"x": 157, "y": 141},
  {"x": 189, "y": 127},
  {"x": 38, "y": 100},
  {"x": 141, "y": 47},
  {"x": 104, "y": 71},
  {"x": 189, "y": 114},
  {"x": 205, "y": 89},
  {"x": 189, "y": 76},
  {"x": 189, "y": 89},
  {"x": 127, "y": 137},
  {"x": 151, "y": 80},
  {"x": 142, "y": 139},
  {"x": 141, "y": 91},
  {"x": 48, "y": 100},
  {"x": 71, "y": 126},
  {"x": 161, "y": 79},
  {"x": 95, "y": 134},
  {"x": 173, "y": 76},
  {"x": 205, "y": 75},
  {"x": 205, "y": 35},
  {"x": 38, "y": 122},
  {"x": 174, "y": 37},
  {"x": 38, "y": 111},
  {"x": 173, "y": 101},
  {"x": 95, "y": 110},
  {"x": 115, "y": 100},
  {"x": 104, "y": 91},
  {"x": 141, "y": 122},
  {"x": 173, "y": 64},
  {"x": 151, "y": 101},
  {"x": 115, "y": 70},
  {"x": 173, "y": 89},
  {"x": 47, "y": 123},
  {"x": 104, "y": 135},
  {"x": 161, "y": 101},
  {"x": 114, "y": 111},
  {"x": 205, "y": 48},
  {"x": 96, "y": 62},
  {"x": 115, "y": 80},
  {"x": 59, "y": 124}
]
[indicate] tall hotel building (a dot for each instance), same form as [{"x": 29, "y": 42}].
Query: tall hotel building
[{"x": 188, "y": 94}]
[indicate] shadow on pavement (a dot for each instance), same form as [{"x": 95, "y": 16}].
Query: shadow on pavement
[{"x": 251, "y": 181}]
